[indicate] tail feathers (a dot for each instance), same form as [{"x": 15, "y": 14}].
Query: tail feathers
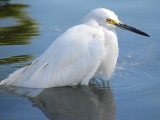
[
  {"x": 20, "y": 77},
  {"x": 14, "y": 77},
  {"x": 29, "y": 76}
]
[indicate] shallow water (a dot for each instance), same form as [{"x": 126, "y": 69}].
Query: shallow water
[{"x": 27, "y": 28}]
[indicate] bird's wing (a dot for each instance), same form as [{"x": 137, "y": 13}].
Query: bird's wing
[{"x": 71, "y": 59}]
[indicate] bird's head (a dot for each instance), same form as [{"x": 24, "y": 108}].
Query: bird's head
[{"x": 109, "y": 20}]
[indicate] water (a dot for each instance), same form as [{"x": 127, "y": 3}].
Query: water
[{"x": 27, "y": 28}]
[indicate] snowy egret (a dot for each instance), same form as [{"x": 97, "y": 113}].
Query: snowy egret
[{"x": 76, "y": 56}]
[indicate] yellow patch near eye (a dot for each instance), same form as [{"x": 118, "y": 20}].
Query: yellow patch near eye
[{"x": 110, "y": 21}]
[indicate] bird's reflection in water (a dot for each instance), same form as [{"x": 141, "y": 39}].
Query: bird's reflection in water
[{"x": 78, "y": 103}]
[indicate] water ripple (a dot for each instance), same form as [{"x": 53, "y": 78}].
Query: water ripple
[{"x": 134, "y": 78}]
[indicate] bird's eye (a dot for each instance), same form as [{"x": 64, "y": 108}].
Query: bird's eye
[{"x": 109, "y": 21}]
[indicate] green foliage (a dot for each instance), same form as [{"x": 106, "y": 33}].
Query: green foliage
[
  {"x": 15, "y": 59},
  {"x": 22, "y": 32}
]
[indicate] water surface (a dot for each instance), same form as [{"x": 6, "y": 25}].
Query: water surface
[{"x": 27, "y": 28}]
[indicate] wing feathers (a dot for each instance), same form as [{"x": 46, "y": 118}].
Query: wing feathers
[{"x": 71, "y": 59}]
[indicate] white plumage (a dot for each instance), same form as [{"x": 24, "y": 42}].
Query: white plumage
[{"x": 76, "y": 56}]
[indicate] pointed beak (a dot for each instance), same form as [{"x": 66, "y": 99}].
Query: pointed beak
[{"x": 129, "y": 28}]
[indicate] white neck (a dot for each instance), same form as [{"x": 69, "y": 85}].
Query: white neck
[{"x": 92, "y": 23}]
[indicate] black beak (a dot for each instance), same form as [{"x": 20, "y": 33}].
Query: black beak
[{"x": 132, "y": 29}]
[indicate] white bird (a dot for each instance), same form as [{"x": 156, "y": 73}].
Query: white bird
[{"x": 76, "y": 56}]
